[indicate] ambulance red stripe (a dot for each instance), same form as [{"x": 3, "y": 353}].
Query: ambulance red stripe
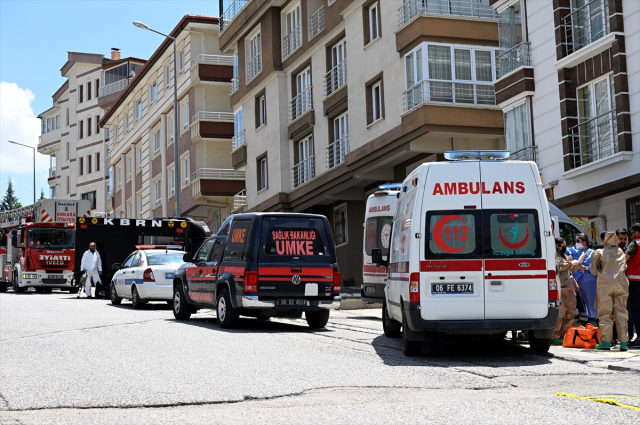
[
  {"x": 515, "y": 264},
  {"x": 517, "y": 276},
  {"x": 451, "y": 266}
]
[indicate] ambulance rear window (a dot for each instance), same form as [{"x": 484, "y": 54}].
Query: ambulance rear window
[
  {"x": 512, "y": 233},
  {"x": 377, "y": 234},
  {"x": 291, "y": 238},
  {"x": 454, "y": 235}
]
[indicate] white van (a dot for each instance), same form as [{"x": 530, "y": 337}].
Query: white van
[
  {"x": 472, "y": 252},
  {"x": 380, "y": 209}
]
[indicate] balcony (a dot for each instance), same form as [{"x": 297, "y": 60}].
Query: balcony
[
  {"x": 527, "y": 154},
  {"x": 112, "y": 88},
  {"x": 448, "y": 92},
  {"x": 586, "y": 25},
  {"x": 316, "y": 23},
  {"x": 514, "y": 58},
  {"x": 235, "y": 84},
  {"x": 52, "y": 173},
  {"x": 337, "y": 151},
  {"x": 291, "y": 42},
  {"x": 303, "y": 171},
  {"x": 254, "y": 67},
  {"x": 465, "y": 8},
  {"x": 301, "y": 104},
  {"x": 211, "y": 125},
  {"x": 238, "y": 140},
  {"x": 335, "y": 78},
  {"x": 240, "y": 200},
  {"x": 217, "y": 182},
  {"x": 594, "y": 139},
  {"x": 234, "y": 8},
  {"x": 211, "y": 68}
]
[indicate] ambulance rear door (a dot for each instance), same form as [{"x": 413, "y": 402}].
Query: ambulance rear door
[
  {"x": 377, "y": 234},
  {"x": 451, "y": 279},
  {"x": 515, "y": 281}
]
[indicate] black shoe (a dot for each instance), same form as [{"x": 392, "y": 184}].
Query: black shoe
[{"x": 89, "y": 296}]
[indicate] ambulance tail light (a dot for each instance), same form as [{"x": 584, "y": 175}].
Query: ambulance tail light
[
  {"x": 336, "y": 282},
  {"x": 414, "y": 287},
  {"x": 148, "y": 276},
  {"x": 251, "y": 281},
  {"x": 554, "y": 291}
]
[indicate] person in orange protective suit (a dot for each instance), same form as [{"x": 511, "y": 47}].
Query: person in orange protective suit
[
  {"x": 566, "y": 266},
  {"x": 610, "y": 264}
]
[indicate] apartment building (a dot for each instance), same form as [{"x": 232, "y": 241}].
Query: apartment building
[
  {"x": 333, "y": 97},
  {"x": 71, "y": 135},
  {"x": 141, "y": 126},
  {"x": 568, "y": 83}
]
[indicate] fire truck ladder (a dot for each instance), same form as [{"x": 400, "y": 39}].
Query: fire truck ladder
[{"x": 14, "y": 217}]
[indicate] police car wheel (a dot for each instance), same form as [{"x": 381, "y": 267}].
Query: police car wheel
[
  {"x": 115, "y": 299},
  {"x": 135, "y": 299},
  {"x": 317, "y": 319},
  {"x": 409, "y": 348},
  {"x": 228, "y": 316},
  {"x": 181, "y": 309},
  {"x": 390, "y": 327},
  {"x": 539, "y": 345}
]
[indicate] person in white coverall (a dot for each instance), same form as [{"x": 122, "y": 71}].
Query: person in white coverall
[{"x": 92, "y": 264}]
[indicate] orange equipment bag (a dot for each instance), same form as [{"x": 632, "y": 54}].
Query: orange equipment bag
[{"x": 582, "y": 337}]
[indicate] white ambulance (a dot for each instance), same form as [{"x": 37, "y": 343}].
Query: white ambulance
[
  {"x": 380, "y": 209},
  {"x": 471, "y": 252}
]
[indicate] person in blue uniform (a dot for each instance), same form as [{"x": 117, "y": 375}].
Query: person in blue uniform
[{"x": 586, "y": 280}]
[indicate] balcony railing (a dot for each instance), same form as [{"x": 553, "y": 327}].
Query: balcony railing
[
  {"x": 113, "y": 87},
  {"x": 513, "y": 59},
  {"x": 594, "y": 139},
  {"x": 586, "y": 25},
  {"x": 52, "y": 172},
  {"x": 240, "y": 199},
  {"x": 446, "y": 92},
  {"x": 218, "y": 174},
  {"x": 238, "y": 140},
  {"x": 527, "y": 154},
  {"x": 212, "y": 60},
  {"x": 303, "y": 171},
  {"x": 235, "y": 84},
  {"x": 337, "y": 151},
  {"x": 301, "y": 104},
  {"x": 254, "y": 66},
  {"x": 234, "y": 8},
  {"x": 212, "y": 116},
  {"x": 467, "y": 8},
  {"x": 292, "y": 41},
  {"x": 316, "y": 23},
  {"x": 335, "y": 78}
]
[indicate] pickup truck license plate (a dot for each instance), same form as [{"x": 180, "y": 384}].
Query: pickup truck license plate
[
  {"x": 452, "y": 288},
  {"x": 55, "y": 276},
  {"x": 292, "y": 303}
]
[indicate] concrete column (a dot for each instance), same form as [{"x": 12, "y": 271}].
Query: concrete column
[
  {"x": 163, "y": 161},
  {"x": 134, "y": 196},
  {"x": 123, "y": 189}
]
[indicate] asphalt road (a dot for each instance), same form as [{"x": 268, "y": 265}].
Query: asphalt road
[{"x": 64, "y": 360}]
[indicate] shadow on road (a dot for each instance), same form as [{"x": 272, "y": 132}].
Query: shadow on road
[{"x": 249, "y": 325}]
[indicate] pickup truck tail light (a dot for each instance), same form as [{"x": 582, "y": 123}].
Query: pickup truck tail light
[
  {"x": 148, "y": 276},
  {"x": 251, "y": 281},
  {"x": 336, "y": 282},
  {"x": 414, "y": 287},
  {"x": 554, "y": 290}
]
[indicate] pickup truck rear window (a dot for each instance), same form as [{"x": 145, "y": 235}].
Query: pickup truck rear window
[{"x": 289, "y": 238}]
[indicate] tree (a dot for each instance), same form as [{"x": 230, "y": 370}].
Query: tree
[
  {"x": 41, "y": 195},
  {"x": 10, "y": 201}
]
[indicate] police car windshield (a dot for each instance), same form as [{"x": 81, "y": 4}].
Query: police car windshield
[
  {"x": 164, "y": 257},
  {"x": 51, "y": 237}
]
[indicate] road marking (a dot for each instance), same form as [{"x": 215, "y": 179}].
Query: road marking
[{"x": 606, "y": 399}]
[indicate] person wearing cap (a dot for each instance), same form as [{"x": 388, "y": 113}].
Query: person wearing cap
[
  {"x": 610, "y": 265},
  {"x": 92, "y": 265}
]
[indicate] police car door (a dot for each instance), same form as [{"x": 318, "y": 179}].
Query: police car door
[
  {"x": 451, "y": 251},
  {"x": 123, "y": 275},
  {"x": 516, "y": 281}
]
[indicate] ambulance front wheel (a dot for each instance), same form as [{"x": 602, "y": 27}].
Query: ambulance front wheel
[{"x": 539, "y": 345}]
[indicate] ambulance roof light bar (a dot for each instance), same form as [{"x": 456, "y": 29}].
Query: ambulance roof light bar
[
  {"x": 476, "y": 155},
  {"x": 391, "y": 186}
]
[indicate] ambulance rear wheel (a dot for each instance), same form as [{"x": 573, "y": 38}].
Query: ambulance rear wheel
[
  {"x": 539, "y": 345},
  {"x": 390, "y": 327},
  {"x": 409, "y": 348}
]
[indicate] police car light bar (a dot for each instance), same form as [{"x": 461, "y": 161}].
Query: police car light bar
[
  {"x": 158, "y": 247},
  {"x": 391, "y": 186},
  {"x": 476, "y": 155}
]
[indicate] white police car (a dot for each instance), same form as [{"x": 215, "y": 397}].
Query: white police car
[{"x": 146, "y": 275}]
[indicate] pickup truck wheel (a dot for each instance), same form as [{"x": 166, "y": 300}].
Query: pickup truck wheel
[
  {"x": 228, "y": 316},
  {"x": 115, "y": 299},
  {"x": 181, "y": 308},
  {"x": 539, "y": 345},
  {"x": 317, "y": 319},
  {"x": 409, "y": 348},
  {"x": 135, "y": 299},
  {"x": 390, "y": 327}
]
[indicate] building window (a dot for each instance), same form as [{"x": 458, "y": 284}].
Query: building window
[
  {"x": 154, "y": 92},
  {"x": 158, "y": 192},
  {"x": 371, "y": 18},
  {"x": 68, "y": 184},
  {"x": 633, "y": 212},
  {"x": 89, "y": 165},
  {"x": 138, "y": 110},
  {"x": 67, "y": 117},
  {"x": 172, "y": 180},
  {"x": 97, "y": 161},
  {"x": 81, "y": 129},
  {"x": 119, "y": 176},
  {"x": 67, "y": 150},
  {"x": 185, "y": 115},
  {"x": 80, "y": 166},
  {"x": 263, "y": 181},
  {"x": 167, "y": 75},
  {"x": 292, "y": 32},
  {"x": 97, "y": 87},
  {"x": 80, "y": 93},
  {"x": 181, "y": 61},
  {"x": 185, "y": 170},
  {"x": 129, "y": 209},
  {"x": 52, "y": 192},
  {"x": 89, "y": 90},
  {"x": 170, "y": 130},
  {"x": 516, "y": 131},
  {"x": 90, "y": 196},
  {"x": 340, "y": 146},
  {"x": 126, "y": 121},
  {"x": 340, "y": 225},
  {"x": 254, "y": 60},
  {"x": 139, "y": 204},
  {"x": 377, "y": 101},
  {"x": 304, "y": 170},
  {"x": 139, "y": 157},
  {"x": 156, "y": 143},
  {"x": 129, "y": 168},
  {"x": 89, "y": 127},
  {"x": 261, "y": 111}
]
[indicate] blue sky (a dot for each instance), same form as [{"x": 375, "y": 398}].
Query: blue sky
[{"x": 34, "y": 39}]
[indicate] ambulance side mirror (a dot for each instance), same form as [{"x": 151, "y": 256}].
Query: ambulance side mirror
[
  {"x": 376, "y": 257},
  {"x": 188, "y": 257},
  {"x": 116, "y": 266}
]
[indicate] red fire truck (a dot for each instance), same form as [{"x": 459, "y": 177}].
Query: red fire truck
[{"x": 37, "y": 245}]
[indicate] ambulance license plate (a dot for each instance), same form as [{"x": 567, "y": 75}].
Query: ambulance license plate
[
  {"x": 452, "y": 288},
  {"x": 292, "y": 303}
]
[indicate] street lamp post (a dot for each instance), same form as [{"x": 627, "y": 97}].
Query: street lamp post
[
  {"x": 175, "y": 119},
  {"x": 34, "y": 166}
]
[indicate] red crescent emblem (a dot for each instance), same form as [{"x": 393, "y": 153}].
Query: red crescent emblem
[
  {"x": 514, "y": 245},
  {"x": 437, "y": 234}
]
